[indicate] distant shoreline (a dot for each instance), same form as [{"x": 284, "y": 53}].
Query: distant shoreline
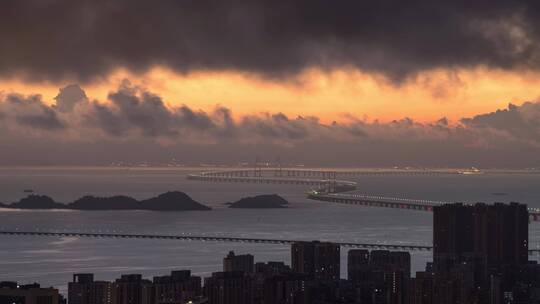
[{"x": 532, "y": 171}]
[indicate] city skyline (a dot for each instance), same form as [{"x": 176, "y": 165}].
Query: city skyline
[{"x": 479, "y": 256}]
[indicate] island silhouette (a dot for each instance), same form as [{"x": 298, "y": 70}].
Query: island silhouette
[
  {"x": 169, "y": 201},
  {"x": 260, "y": 202}
]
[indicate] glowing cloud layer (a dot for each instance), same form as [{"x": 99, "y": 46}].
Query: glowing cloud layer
[
  {"x": 329, "y": 95},
  {"x": 136, "y": 124}
]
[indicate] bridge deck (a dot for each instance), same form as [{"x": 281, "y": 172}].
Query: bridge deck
[
  {"x": 390, "y": 202},
  {"x": 268, "y": 180},
  {"x": 217, "y": 239},
  {"x": 204, "y": 238}
]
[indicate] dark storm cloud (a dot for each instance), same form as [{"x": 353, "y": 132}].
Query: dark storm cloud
[
  {"x": 199, "y": 120},
  {"x": 146, "y": 112},
  {"x": 30, "y": 111},
  {"x": 69, "y": 97},
  {"x": 521, "y": 122},
  {"x": 133, "y": 109},
  {"x": 279, "y": 126},
  {"x": 101, "y": 116},
  {"x": 46, "y": 39}
]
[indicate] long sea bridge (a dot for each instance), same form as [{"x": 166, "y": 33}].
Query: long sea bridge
[
  {"x": 189, "y": 237},
  {"x": 290, "y": 175},
  {"x": 318, "y": 178},
  {"x": 330, "y": 188},
  {"x": 186, "y": 237},
  {"x": 313, "y": 178},
  {"x": 390, "y": 202}
]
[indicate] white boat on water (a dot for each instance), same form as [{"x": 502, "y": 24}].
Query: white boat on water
[{"x": 472, "y": 170}]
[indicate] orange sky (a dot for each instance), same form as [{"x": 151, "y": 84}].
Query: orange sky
[{"x": 328, "y": 95}]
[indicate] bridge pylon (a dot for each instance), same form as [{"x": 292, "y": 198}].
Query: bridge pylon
[
  {"x": 257, "y": 170},
  {"x": 330, "y": 181},
  {"x": 278, "y": 169}
]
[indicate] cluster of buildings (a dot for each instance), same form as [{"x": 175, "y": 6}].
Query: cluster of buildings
[
  {"x": 12, "y": 293},
  {"x": 480, "y": 255}
]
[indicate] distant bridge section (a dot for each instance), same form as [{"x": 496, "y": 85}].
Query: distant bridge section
[
  {"x": 325, "y": 174},
  {"x": 390, "y": 202},
  {"x": 329, "y": 181},
  {"x": 319, "y": 179}
]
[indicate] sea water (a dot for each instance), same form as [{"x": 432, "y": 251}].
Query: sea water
[{"x": 51, "y": 261}]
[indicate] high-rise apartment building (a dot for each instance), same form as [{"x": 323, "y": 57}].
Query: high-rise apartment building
[
  {"x": 243, "y": 262},
  {"x": 322, "y": 259},
  {"x": 84, "y": 290},
  {"x": 233, "y": 287}
]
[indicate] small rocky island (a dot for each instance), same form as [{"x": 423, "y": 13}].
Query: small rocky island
[
  {"x": 260, "y": 202},
  {"x": 169, "y": 201}
]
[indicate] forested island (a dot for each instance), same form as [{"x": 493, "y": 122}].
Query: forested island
[
  {"x": 260, "y": 202},
  {"x": 169, "y": 201}
]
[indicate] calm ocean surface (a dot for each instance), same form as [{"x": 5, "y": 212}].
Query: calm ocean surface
[{"x": 52, "y": 261}]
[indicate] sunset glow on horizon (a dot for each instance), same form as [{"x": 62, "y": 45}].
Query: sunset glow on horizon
[{"x": 336, "y": 95}]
